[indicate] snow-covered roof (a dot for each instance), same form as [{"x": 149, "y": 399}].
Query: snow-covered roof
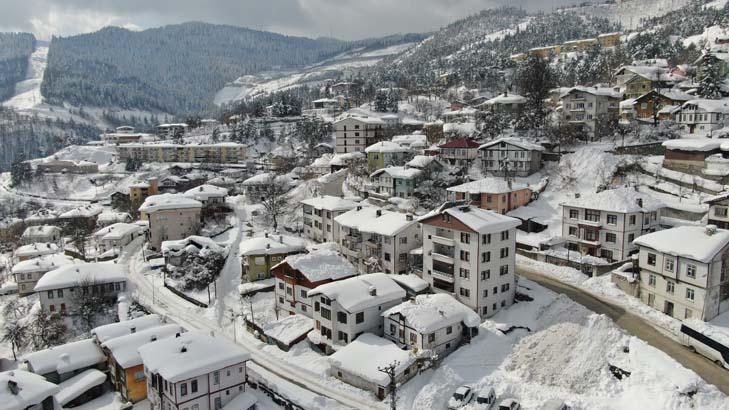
[
  {"x": 410, "y": 139},
  {"x": 193, "y": 243},
  {"x": 111, "y": 216},
  {"x": 190, "y": 355},
  {"x": 329, "y": 203},
  {"x": 40, "y": 230},
  {"x": 124, "y": 349},
  {"x": 244, "y": 400},
  {"x": 362, "y": 119},
  {"x": 32, "y": 389},
  {"x": 622, "y": 200},
  {"x": 72, "y": 275},
  {"x": 366, "y": 354},
  {"x": 357, "y": 216},
  {"x": 692, "y": 242},
  {"x": 488, "y": 185},
  {"x": 506, "y": 98},
  {"x": 43, "y": 263},
  {"x": 517, "y": 142},
  {"x": 36, "y": 249},
  {"x": 271, "y": 245},
  {"x": 78, "y": 385},
  {"x": 164, "y": 202},
  {"x": 477, "y": 219},
  {"x": 107, "y": 332},
  {"x": 600, "y": 91},
  {"x": 462, "y": 128},
  {"x": 399, "y": 172},
  {"x": 205, "y": 192},
  {"x": 411, "y": 280},
  {"x": 86, "y": 211},
  {"x": 356, "y": 293},
  {"x": 389, "y": 223},
  {"x": 341, "y": 159},
  {"x": 422, "y": 161},
  {"x": 321, "y": 264},
  {"x": 289, "y": 328},
  {"x": 385, "y": 147},
  {"x": 652, "y": 72},
  {"x": 65, "y": 358},
  {"x": 693, "y": 144},
  {"x": 670, "y": 93},
  {"x": 428, "y": 313},
  {"x": 721, "y": 106},
  {"x": 117, "y": 231}
]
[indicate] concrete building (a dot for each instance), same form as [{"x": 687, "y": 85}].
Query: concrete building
[
  {"x": 689, "y": 155},
  {"x": 683, "y": 271},
  {"x": 27, "y": 273},
  {"x": 41, "y": 233},
  {"x": 469, "y": 253},
  {"x": 702, "y": 116},
  {"x": 345, "y": 309},
  {"x": 637, "y": 80},
  {"x": 606, "y": 224},
  {"x": 34, "y": 250},
  {"x": 170, "y": 217},
  {"x": 719, "y": 210},
  {"x": 319, "y": 213},
  {"x": 193, "y": 371},
  {"x": 591, "y": 109},
  {"x": 124, "y": 135},
  {"x": 386, "y": 154},
  {"x": 167, "y": 131},
  {"x": 221, "y": 153},
  {"x": 67, "y": 167},
  {"x": 504, "y": 103},
  {"x": 459, "y": 152},
  {"x": 354, "y": 134},
  {"x": 512, "y": 156},
  {"x": 391, "y": 182},
  {"x": 298, "y": 274},
  {"x": 494, "y": 194},
  {"x": 116, "y": 236},
  {"x": 259, "y": 255},
  {"x": 140, "y": 191}
]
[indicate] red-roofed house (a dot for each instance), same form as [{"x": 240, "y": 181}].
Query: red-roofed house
[{"x": 460, "y": 151}]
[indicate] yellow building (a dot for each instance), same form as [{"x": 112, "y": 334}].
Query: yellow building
[
  {"x": 545, "y": 52},
  {"x": 579, "y": 45},
  {"x": 609, "y": 39}
]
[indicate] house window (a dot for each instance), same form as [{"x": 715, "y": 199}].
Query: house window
[
  {"x": 720, "y": 211},
  {"x": 216, "y": 377},
  {"x": 670, "y": 287},
  {"x": 359, "y": 318},
  {"x": 610, "y": 237},
  {"x": 631, "y": 237},
  {"x": 669, "y": 265},
  {"x": 50, "y": 294},
  {"x": 465, "y": 292},
  {"x": 404, "y": 240},
  {"x": 504, "y": 270},
  {"x": 486, "y": 257},
  {"x": 652, "y": 280},
  {"x": 449, "y": 330},
  {"x": 652, "y": 259},
  {"x": 486, "y": 238},
  {"x": 465, "y": 273},
  {"x": 504, "y": 235},
  {"x": 505, "y": 287},
  {"x": 574, "y": 214},
  {"x": 687, "y": 313},
  {"x": 592, "y": 215},
  {"x": 393, "y": 329},
  {"x": 302, "y": 292},
  {"x": 631, "y": 219},
  {"x": 504, "y": 253},
  {"x": 689, "y": 294},
  {"x": 485, "y": 310},
  {"x": 341, "y": 317},
  {"x": 486, "y": 274},
  {"x": 343, "y": 336},
  {"x": 691, "y": 271},
  {"x": 413, "y": 338},
  {"x": 281, "y": 285},
  {"x": 465, "y": 256},
  {"x": 183, "y": 389},
  {"x": 431, "y": 338},
  {"x": 465, "y": 237},
  {"x": 612, "y": 219},
  {"x": 572, "y": 231},
  {"x": 326, "y": 313}
]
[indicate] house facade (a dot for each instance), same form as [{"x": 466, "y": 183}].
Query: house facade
[
  {"x": 61, "y": 289},
  {"x": 606, "y": 224},
  {"x": 719, "y": 211},
  {"x": 259, "y": 255},
  {"x": 590, "y": 109},
  {"x": 319, "y": 213},
  {"x": 494, "y": 194},
  {"x": 702, "y": 116},
  {"x": 385, "y": 154},
  {"x": 459, "y": 152},
  {"x": 354, "y": 134},
  {"x": 689, "y": 155},
  {"x": 116, "y": 236},
  {"x": 41, "y": 233},
  {"x": 655, "y": 102},
  {"x": 222, "y": 153},
  {"x": 170, "y": 217},
  {"x": 510, "y": 156},
  {"x": 683, "y": 271},
  {"x": 395, "y": 182},
  {"x": 27, "y": 273},
  {"x": 469, "y": 253}
]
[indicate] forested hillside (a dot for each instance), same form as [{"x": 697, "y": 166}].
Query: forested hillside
[
  {"x": 15, "y": 48},
  {"x": 175, "y": 69}
]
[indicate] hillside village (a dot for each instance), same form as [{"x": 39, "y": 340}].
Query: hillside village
[{"x": 540, "y": 243}]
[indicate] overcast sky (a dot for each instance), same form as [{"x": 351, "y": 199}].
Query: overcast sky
[{"x": 345, "y": 19}]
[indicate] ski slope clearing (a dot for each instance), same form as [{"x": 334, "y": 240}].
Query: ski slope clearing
[{"x": 27, "y": 92}]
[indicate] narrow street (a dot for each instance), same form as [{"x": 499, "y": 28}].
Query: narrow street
[{"x": 636, "y": 326}]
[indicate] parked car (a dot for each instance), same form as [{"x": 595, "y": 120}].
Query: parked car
[
  {"x": 509, "y": 404},
  {"x": 462, "y": 396},
  {"x": 486, "y": 399},
  {"x": 555, "y": 404}
]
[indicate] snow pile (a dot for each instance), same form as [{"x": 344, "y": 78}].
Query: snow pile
[
  {"x": 488, "y": 185},
  {"x": 163, "y": 202}
]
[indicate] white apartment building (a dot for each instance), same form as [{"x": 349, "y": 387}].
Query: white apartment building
[
  {"x": 606, "y": 223},
  {"x": 376, "y": 240},
  {"x": 298, "y": 274},
  {"x": 28, "y": 272},
  {"x": 319, "y": 214},
  {"x": 208, "y": 195},
  {"x": 683, "y": 271},
  {"x": 354, "y": 133},
  {"x": 170, "y": 217},
  {"x": 59, "y": 289},
  {"x": 116, "y": 236},
  {"x": 221, "y": 153},
  {"x": 511, "y": 155},
  {"x": 590, "y": 108},
  {"x": 469, "y": 253},
  {"x": 193, "y": 371},
  {"x": 345, "y": 309},
  {"x": 438, "y": 323}
]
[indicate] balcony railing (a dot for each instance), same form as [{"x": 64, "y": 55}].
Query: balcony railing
[{"x": 444, "y": 276}]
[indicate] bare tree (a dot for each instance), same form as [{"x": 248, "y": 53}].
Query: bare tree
[
  {"x": 273, "y": 198},
  {"x": 48, "y": 329},
  {"x": 15, "y": 331},
  {"x": 89, "y": 301}
]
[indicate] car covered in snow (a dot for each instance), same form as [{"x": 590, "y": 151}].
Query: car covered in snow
[
  {"x": 462, "y": 396},
  {"x": 509, "y": 404},
  {"x": 555, "y": 404},
  {"x": 486, "y": 399}
]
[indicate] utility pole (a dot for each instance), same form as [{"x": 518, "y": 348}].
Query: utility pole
[{"x": 389, "y": 370}]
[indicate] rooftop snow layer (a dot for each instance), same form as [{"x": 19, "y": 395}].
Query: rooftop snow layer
[
  {"x": 411, "y": 280},
  {"x": 488, "y": 185},
  {"x": 190, "y": 355},
  {"x": 385, "y": 147},
  {"x": 205, "y": 192},
  {"x": 44, "y": 263},
  {"x": 199, "y": 242},
  {"x": 388, "y": 224},
  {"x": 366, "y": 354},
  {"x": 36, "y": 249},
  {"x": 78, "y": 385},
  {"x": 65, "y": 358},
  {"x": 329, "y": 203},
  {"x": 124, "y": 349},
  {"x": 517, "y": 142},
  {"x": 428, "y": 313},
  {"x": 117, "y": 231},
  {"x": 86, "y": 211},
  {"x": 479, "y": 220},
  {"x": 113, "y": 330},
  {"x": 41, "y": 230},
  {"x": 357, "y": 216},
  {"x": 163, "y": 202},
  {"x": 691, "y": 242},
  {"x": 72, "y": 275},
  {"x": 693, "y": 144},
  {"x": 321, "y": 265},
  {"x": 289, "y": 328},
  {"x": 355, "y": 294},
  {"x": 271, "y": 245},
  {"x": 399, "y": 172},
  {"x": 622, "y": 200},
  {"x": 33, "y": 389},
  {"x": 244, "y": 400}
]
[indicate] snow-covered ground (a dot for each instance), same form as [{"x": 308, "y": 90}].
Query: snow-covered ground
[{"x": 27, "y": 92}]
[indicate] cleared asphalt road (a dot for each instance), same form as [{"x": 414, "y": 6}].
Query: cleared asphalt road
[{"x": 636, "y": 326}]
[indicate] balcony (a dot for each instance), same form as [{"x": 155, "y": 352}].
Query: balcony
[{"x": 444, "y": 276}]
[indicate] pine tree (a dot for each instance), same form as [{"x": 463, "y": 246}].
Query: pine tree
[
  {"x": 381, "y": 101},
  {"x": 710, "y": 83},
  {"x": 534, "y": 79}
]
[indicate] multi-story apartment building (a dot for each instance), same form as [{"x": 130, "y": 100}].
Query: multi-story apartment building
[
  {"x": 354, "y": 133},
  {"x": 512, "y": 156},
  {"x": 702, "y": 116},
  {"x": 67, "y": 166},
  {"x": 469, "y": 253},
  {"x": 193, "y": 371},
  {"x": 386, "y": 154},
  {"x": 170, "y": 217},
  {"x": 140, "y": 191},
  {"x": 683, "y": 271},
  {"x": 319, "y": 213},
  {"x": 397, "y": 182},
  {"x": 347, "y": 308},
  {"x": 590, "y": 109},
  {"x": 166, "y": 131},
  {"x": 719, "y": 210},
  {"x": 298, "y": 274},
  {"x": 605, "y": 224},
  {"x": 459, "y": 152},
  {"x": 494, "y": 194},
  {"x": 259, "y": 255},
  {"x": 221, "y": 153},
  {"x": 376, "y": 240},
  {"x": 438, "y": 323},
  {"x": 59, "y": 290},
  {"x": 504, "y": 103}
]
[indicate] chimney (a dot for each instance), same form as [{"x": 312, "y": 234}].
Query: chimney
[
  {"x": 133, "y": 329},
  {"x": 710, "y": 230},
  {"x": 408, "y": 217},
  {"x": 266, "y": 234},
  {"x": 359, "y": 207},
  {"x": 13, "y": 385},
  {"x": 177, "y": 334},
  {"x": 280, "y": 239},
  {"x": 373, "y": 291},
  {"x": 506, "y": 93},
  {"x": 577, "y": 195},
  {"x": 639, "y": 201},
  {"x": 183, "y": 349},
  {"x": 268, "y": 246},
  {"x": 379, "y": 212}
]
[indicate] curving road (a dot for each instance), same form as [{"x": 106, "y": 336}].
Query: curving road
[{"x": 636, "y": 326}]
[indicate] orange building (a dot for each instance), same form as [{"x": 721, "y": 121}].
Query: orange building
[
  {"x": 140, "y": 191},
  {"x": 661, "y": 98},
  {"x": 609, "y": 39},
  {"x": 494, "y": 194}
]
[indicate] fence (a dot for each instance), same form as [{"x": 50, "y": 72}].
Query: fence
[
  {"x": 586, "y": 268},
  {"x": 651, "y": 148},
  {"x": 184, "y": 296}
]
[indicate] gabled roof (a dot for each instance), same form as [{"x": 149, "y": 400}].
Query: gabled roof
[
  {"x": 107, "y": 332},
  {"x": 477, "y": 219},
  {"x": 692, "y": 242},
  {"x": 693, "y": 144},
  {"x": 366, "y": 354},
  {"x": 386, "y": 147},
  {"x": 720, "y": 106},
  {"x": 460, "y": 143},
  {"x": 36, "y": 249},
  {"x": 428, "y": 313},
  {"x": 517, "y": 142},
  {"x": 65, "y": 358},
  {"x": 329, "y": 203},
  {"x": 271, "y": 245},
  {"x": 124, "y": 349},
  {"x": 41, "y": 230},
  {"x": 399, "y": 172},
  {"x": 73, "y": 275},
  {"x": 32, "y": 389},
  {"x": 117, "y": 231},
  {"x": 671, "y": 94},
  {"x": 44, "y": 263},
  {"x": 361, "y": 292},
  {"x": 320, "y": 265},
  {"x": 206, "y": 191},
  {"x": 601, "y": 91},
  {"x": 163, "y": 202}
]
